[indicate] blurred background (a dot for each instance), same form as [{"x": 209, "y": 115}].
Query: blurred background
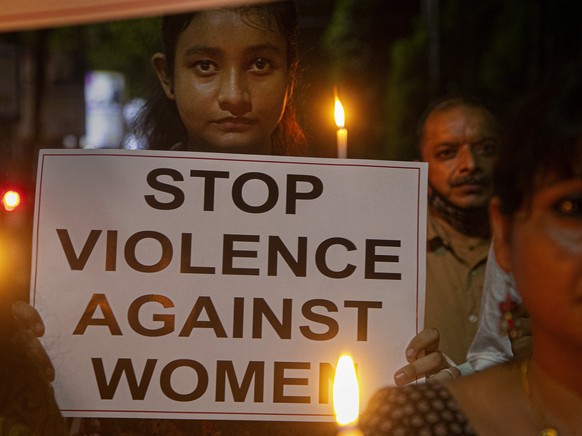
[{"x": 77, "y": 87}]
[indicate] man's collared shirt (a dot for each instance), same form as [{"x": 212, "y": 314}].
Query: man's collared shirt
[{"x": 455, "y": 270}]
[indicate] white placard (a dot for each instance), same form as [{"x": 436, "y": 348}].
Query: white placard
[
  {"x": 18, "y": 15},
  {"x": 218, "y": 286}
]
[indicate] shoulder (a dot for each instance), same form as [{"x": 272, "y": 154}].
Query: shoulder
[
  {"x": 497, "y": 387},
  {"x": 425, "y": 408}
]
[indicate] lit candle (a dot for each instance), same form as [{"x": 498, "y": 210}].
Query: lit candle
[
  {"x": 346, "y": 397},
  {"x": 342, "y": 132}
]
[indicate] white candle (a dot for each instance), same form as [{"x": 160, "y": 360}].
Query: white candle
[
  {"x": 342, "y": 143},
  {"x": 346, "y": 397},
  {"x": 342, "y": 132},
  {"x": 350, "y": 431}
]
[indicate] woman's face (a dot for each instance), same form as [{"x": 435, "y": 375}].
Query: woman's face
[
  {"x": 230, "y": 81},
  {"x": 545, "y": 254}
]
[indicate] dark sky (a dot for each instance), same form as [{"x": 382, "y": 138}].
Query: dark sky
[{"x": 390, "y": 20}]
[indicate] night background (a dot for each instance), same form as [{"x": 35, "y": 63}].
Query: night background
[{"x": 387, "y": 59}]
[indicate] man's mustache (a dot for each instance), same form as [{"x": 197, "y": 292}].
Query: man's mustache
[{"x": 478, "y": 179}]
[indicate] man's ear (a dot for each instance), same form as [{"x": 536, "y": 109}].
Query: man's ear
[
  {"x": 159, "y": 63},
  {"x": 501, "y": 225}
]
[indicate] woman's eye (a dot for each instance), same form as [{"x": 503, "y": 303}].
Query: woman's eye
[
  {"x": 261, "y": 65},
  {"x": 205, "y": 67},
  {"x": 570, "y": 207}
]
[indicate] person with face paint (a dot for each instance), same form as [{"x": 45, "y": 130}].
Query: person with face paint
[
  {"x": 537, "y": 230},
  {"x": 227, "y": 77}
]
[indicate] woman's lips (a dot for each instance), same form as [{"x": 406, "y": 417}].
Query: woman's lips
[{"x": 235, "y": 124}]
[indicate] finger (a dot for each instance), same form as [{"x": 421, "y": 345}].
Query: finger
[
  {"x": 429, "y": 364},
  {"x": 36, "y": 353},
  {"x": 27, "y": 317},
  {"x": 422, "y": 344},
  {"x": 445, "y": 375}
]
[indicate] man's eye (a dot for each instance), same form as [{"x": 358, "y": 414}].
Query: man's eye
[
  {"x": 445, "y": 153},
  {"x": 570, "y": 207},
  {"x": 487, "y": 149}
]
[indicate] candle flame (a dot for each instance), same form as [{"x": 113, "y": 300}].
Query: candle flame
[
  {"x": 346, "y": 395},
  {"x": 340, "y": 116}
]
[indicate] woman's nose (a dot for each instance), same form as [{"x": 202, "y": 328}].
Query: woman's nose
[{"x": 233, "y": 95}]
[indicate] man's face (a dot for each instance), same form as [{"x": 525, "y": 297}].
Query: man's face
[{"x": 460, "y": 145}]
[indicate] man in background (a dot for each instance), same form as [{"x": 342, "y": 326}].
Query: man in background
[{"x": 459, "y": 141}]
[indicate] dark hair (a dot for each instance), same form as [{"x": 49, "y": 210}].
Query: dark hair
[
  {"x": 159, "y": 122},
  {"x": 444, "y": 104},
  {"x": 544, "y": 138}
]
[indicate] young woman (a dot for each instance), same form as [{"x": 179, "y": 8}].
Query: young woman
[
  {"x": 226, "y": 77},
  {"x": 537, "y": 219}
]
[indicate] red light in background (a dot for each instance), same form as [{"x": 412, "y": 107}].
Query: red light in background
[{"x": 10, "y": 200}]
